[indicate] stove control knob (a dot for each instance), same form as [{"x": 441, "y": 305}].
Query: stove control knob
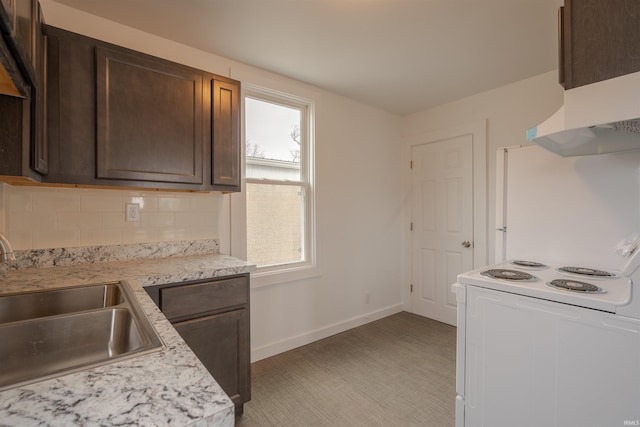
[{"x": 466, "y": 244}]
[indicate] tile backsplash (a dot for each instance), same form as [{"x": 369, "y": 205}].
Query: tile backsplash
[{"x": 43, "y": 217}]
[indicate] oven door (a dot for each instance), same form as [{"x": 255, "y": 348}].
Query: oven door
[{"x": 533, "y": 362}]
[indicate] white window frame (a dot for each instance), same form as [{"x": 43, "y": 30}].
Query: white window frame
[{"x": 269, "y": 275}]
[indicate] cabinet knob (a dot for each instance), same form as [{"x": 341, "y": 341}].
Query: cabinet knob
[{"x": 466, "y": 244}]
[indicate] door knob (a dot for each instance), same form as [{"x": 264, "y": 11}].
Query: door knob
[{"x": 466, "y": 244}]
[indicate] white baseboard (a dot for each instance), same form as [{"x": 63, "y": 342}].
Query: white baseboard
[{"x": 287, "y": 344}]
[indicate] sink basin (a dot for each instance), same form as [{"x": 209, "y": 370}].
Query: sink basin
[
  {"x": 72, "y": 335},
  {"x": 58, "y": 301}
]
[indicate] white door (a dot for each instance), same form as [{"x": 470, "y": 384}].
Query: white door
[{"x": 442, "y": 223}]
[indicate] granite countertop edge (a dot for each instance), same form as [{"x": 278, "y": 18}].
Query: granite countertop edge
[{"x": 167, "y": 387}]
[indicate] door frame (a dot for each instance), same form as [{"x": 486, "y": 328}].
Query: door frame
[{"x": 478, "y": 131}]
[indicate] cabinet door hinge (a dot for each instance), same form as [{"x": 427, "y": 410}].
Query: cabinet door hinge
[
  {"x": 411, "y": 164},
  {"x": 411, "y": 226},
  {"x": 411, "y": 288}
]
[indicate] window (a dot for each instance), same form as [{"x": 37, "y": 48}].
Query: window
[{"x": 278, "y": 181}]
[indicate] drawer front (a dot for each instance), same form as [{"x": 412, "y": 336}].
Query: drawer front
[{"x": 187, "y": 300}]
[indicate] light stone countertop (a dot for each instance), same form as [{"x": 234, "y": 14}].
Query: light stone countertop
[{"x": 168, "y": 387}]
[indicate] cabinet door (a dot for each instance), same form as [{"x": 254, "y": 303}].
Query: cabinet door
[
  {"x": 15, "y": 134},
  {"x": 601, "y": 40},
  {"x": 221, "y": 342},
  {"x": 25, "y": 33},
  {"x": 70, "y": 106},
  {"x": 149, "y": 119},
  {"x": 225, "y": 112}
]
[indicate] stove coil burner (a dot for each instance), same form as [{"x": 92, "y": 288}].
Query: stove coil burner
[
  {"x": 530, "y": 264},
  {"x": 502, "y": 273},
  {"x": 576, "y": 286},
  {"x": 583, "y": 271}
]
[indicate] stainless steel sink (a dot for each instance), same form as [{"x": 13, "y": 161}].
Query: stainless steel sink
[
  {"x": 77, "y": 331},
  {"x": 59, "y": 301}
]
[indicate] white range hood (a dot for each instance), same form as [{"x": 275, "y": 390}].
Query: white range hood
[{"x": 599, "y": 118}]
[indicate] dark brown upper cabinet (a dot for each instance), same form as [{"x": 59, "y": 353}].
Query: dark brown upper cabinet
[
  {"x": 19, "y": 22},
  {"x": 149, "y": 119},
  {"x": 23, "y": 151},
  {"x": 598, "y": 40},
  {"x": 121, "y": 118},
  {"x": 225, "y": 114}
]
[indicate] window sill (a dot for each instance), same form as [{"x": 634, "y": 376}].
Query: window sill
[{"x": 276, "y": 277}]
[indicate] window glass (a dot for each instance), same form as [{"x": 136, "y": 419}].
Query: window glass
[
  {"x": 278, "y": 190},
  {"x": 275, "y": 224},
  {"x": 272, "y": 140}
]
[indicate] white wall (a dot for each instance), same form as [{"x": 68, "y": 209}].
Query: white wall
[
  {"x": 509, "y": 111},
  {"x": 359, "y": 232},
  {"x": 358, "y": 181}
]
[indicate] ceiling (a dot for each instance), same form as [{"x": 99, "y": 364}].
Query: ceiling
[{"x": 401, "y": 56}]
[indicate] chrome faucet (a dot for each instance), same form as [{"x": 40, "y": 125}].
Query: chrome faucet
[{"x": 6, "y": 251}]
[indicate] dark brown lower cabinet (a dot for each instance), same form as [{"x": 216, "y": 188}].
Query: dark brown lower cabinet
[
  {"x": 212, "y": 316},
  {"x": 218, "y": 341}
]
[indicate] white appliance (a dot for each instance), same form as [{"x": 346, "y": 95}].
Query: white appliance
[
  {"x": 539, "y": 344},
  {"x": 598, "y": 118}
]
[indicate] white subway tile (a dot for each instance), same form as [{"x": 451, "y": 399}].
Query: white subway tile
[
  {"x": 56, "y": 202},
  {"x": 117, "y": 221},
  {"x": 77, "y": 191},
  {"x": 173, "y": 233},
  {"x": 101, "y": 203},
  {"x": 19, "y": 239},
  {"x": 195, "y": 219},
  {"x": 157, "y": 219},
  {"x": 174, "y": 204},
  {"x": 198, "y": 233},
  {"x": 82, "y": 220},
  {"x": 147, "y": 203},
  {"x": 19, "y": 202},
  {"x": 31, "y": 221},
  {"x": 204, "y": 203},
  {"x": 56, "y": 239},
  {"x": 42, "y": 217},
  {"x": 90, "y": 237},
  {"x": 141, "y": 236}
]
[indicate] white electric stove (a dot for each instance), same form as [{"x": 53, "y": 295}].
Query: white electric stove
[
  {"x": 548, "y": 344},
  {"x": 577, "y": 285}
]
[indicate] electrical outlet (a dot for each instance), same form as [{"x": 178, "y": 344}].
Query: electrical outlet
[{"x": 132, "y": 212}]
